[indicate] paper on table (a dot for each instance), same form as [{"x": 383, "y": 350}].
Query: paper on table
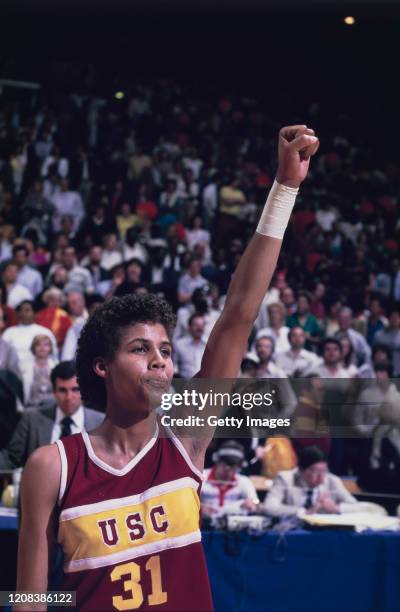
[
  {"x": 358, "y": 520},
  {"x": 8, "y": 511}
]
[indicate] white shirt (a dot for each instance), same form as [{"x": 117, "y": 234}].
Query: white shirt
[
  {"x": 18, "y": 294},
  {"x": 210, "y": 199},
  {"x": 110, "y": 259},
  {"x": 188, "y": 355},
  {"x": 325, "y": 219},
  {"x": 62, "y": 166},
  {"x": 270, "y": 371},
  {"x": 242, "y": 489},
  {"x": 303, "y": 362},
  {"x": 280, "y": 338},
  {"x": 271, "y": 297},
  {"x": 136, "y": 252},
  {"x": 340, "y": 372},
  {"x": 77, "y": 425},
  {"x": 182, "y": 323},
  {"x": 21, "y": 337},
  {"x": 31, "y": 279},
  {"x": 196, "y": 236},
  {"x": 71, "y": 339},
  {"x": 187, "y": 284},
  {"x": 286, "y": 398},
  {"x": 195, "y": 166},
  {"x": 67, "y": 204}
]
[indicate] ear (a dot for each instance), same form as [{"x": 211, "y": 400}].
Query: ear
[{"x": 100, "y": 367}]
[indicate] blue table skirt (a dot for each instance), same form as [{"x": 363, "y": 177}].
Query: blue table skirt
[
  {"x": 8, "y": 523},
  {"x": 304, "y": 571}
]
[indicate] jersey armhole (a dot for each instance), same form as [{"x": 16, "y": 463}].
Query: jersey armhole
[
  {"x": 64, "y": 471},
  {"x": 178, "y": 444}
]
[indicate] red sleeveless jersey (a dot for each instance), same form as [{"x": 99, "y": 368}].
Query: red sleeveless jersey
[{"x": 131, "y": 537}]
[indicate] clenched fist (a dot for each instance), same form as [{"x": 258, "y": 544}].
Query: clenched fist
[{"x": 297, "y": 143}]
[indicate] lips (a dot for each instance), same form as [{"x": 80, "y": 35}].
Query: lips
[{"x": 160, "y": 384}]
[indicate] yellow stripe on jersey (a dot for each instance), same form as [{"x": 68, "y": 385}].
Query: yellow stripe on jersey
[{"x": 94, "y": 535}]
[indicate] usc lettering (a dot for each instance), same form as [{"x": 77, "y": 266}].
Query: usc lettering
[{"x": 135, "y": 525}]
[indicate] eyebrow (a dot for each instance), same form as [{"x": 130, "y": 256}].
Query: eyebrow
[{"x": 148, "y": 341}]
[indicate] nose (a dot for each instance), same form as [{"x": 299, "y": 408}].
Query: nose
[{"x": 157, "y": 361}]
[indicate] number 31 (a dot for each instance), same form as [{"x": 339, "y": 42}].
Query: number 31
[{"x": 133, "y": 586}]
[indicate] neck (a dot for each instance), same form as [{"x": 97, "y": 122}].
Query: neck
[
  {"x": 41, "y": 361},
  {"x": 125, "y": 434}
]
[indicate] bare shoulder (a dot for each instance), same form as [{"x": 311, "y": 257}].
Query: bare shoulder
[{"x": 43, "y": 471}]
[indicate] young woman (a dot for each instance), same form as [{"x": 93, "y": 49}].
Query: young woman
[{"x": 124, "y": 499}]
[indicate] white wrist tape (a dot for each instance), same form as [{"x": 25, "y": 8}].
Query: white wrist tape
[{"x": 277, "y": 211}]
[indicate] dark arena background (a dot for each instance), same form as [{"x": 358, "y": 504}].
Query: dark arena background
[{"x": 138, "y": 143}]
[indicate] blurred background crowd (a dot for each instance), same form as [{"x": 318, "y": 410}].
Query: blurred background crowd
[
  {"x": 159, "y": 189},
  {"x": 114, "y": 180}
]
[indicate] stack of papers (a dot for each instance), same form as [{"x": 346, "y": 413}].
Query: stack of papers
[{"x": 358, "y": 520}]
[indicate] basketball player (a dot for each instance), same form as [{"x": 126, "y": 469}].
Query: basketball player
[{"x": 123, "y": 500}]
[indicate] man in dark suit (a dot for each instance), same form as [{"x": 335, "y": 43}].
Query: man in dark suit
[{"x": 40, "y": 427}]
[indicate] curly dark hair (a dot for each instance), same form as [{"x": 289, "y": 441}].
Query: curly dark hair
[{"x": 101, "y": 337}]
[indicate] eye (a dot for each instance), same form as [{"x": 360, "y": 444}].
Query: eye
[
  {"x": 139, "y": 349},
  {"x": 166, "y": 352}
]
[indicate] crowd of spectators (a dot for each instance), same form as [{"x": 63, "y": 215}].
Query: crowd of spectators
[{"x": 160, "y": 192}]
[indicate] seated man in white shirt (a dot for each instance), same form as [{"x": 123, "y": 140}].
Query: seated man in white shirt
[
  {"x": 16, "y": 293},
  {"x": 308, "y": 488},
  {"x": 297, "y": 361},
  {"x": 332, "y": 354},
  {"x": 266, "y": 368},
  {"x": 190, "y": 281},
  {"x": 277, "y": 328},
  {"x": 224, "y": 490},
  {"x": 27, "y": 276},
  {"x": 40, "y": 427},
  {"x": 79, "y": 279},
  {"x": 199, "y": 303},
  {"x": 67, "y": 203},
  {"x": 188, "y": 350}
]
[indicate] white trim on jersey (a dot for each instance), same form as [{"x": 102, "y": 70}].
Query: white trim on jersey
[
  {"x": 133, "y": 500},
  {"x": 178, "y": 444},
  {"x": 131, "y": 464},
  {"x": 79, "y": 565},
  {"x": 64, "y": 470}
]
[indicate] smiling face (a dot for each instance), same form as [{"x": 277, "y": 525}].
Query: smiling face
[{"x": 140, "y": 371}]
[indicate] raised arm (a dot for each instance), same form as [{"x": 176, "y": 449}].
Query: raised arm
[
  {"x": 228, "y": 341},
  {"x": 39, "y": 493}
]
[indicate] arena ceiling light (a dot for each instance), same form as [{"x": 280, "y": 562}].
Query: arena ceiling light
[{"x": 349, "y": 20}]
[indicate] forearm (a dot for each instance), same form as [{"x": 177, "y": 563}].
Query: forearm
[
  {"x": 274, "y": 508},
  {"x": 252, "y": 278}
]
